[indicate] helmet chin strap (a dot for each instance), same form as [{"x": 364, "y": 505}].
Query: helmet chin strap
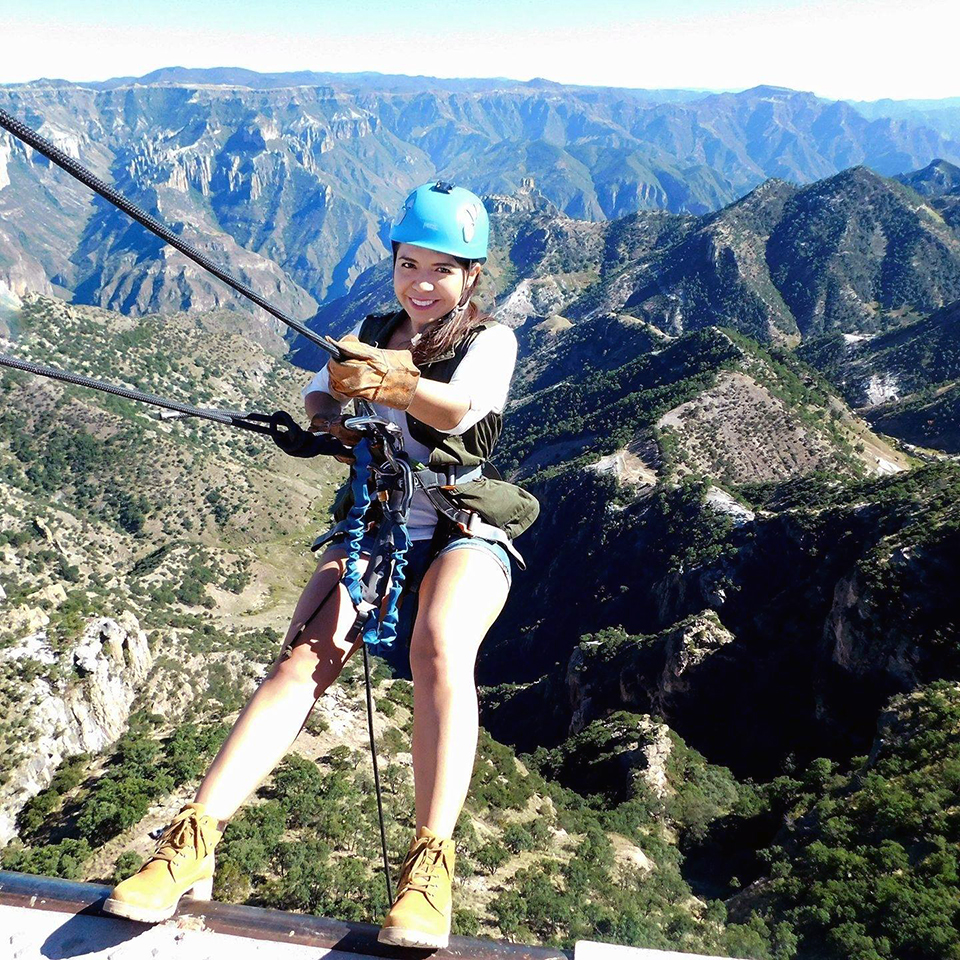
[{"x": 454, "y": 314}]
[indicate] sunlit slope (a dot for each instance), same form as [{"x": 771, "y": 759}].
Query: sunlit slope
[{"x": 168, "y": 528}]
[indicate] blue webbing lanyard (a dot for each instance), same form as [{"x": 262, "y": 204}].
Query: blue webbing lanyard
[{"x": 377, "y": 630}]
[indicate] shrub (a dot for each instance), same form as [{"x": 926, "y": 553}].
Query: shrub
[
  {"x": 491, "y": 855},
  {"x": 517, "y": 838},
  {"x": 128, "y": 863}
]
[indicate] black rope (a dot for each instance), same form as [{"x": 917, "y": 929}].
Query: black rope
[
  {"x": 22, "y": 132},
  {"x": 219, "y": 416},
  {"x": 285, "y": 432},
  {"x": 376, "y": 777}
]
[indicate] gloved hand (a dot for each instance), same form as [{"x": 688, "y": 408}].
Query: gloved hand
[
  {"x": 336, "y": 428},
  {"x": 382, "y": 376},
  {"x": 292, "y": 439}
]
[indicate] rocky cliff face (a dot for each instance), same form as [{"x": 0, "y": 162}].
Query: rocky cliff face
[
  {"x": 751, "y": 636},
  {"x": 645, "y": 675},
  {"x": 624, "y": 756},
  {"x": 892, "y": 618},
  {"x": 80, "y": 703}
]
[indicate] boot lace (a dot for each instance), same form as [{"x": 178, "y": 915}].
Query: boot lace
[
  {"x": 422, "y": 868},
  {"x": 182, "y": 834}
]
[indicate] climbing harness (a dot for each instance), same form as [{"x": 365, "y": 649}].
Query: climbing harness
[
  {"x": 389, "y": 557},
  {"x": 378, "y": 457}
]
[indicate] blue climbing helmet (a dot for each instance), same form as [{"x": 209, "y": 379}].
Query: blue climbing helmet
[{"x": 440, "y": 216}]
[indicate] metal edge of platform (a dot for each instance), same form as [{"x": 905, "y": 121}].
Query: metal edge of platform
[{"x": 66, "y": 896}]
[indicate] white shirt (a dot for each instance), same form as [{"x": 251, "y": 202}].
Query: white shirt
[{"x": 484, "y": 374}]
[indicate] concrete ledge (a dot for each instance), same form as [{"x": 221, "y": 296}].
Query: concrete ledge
[
  {"x": 41, "y": 917},
  {"x": 592, "y": 950},
  {"x": 198, "y": 930},
  {"x": 44, "y": 917},
  {"x": 48, "y": 935}
]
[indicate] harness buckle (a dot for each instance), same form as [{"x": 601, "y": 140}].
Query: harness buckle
[{"x": 469, "y": 525}]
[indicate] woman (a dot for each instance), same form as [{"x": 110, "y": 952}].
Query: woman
[{"x": 440, "y": 370}]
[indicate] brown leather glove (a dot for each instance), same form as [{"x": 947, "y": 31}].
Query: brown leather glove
[
  {"x": 382, "y": 376},
  {"x": 335, "y": 427}
]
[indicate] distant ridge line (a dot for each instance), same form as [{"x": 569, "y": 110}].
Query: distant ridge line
[{"x": 386, "y": 82}]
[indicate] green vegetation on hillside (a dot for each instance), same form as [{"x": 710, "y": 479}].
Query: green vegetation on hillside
[
  {"x": 869, "y": 865},
  {"x": 612, "y": 833},
  {"x": 602, "y": 411},
  {"x": 142, "y": 769},
  {"x": 728, "y": 399},
  {"x": 310, "y": 841}
]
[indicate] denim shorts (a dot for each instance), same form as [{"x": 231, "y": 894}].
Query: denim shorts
[{"x": 420, "y": 555}]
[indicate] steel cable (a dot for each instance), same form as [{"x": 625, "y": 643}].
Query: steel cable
[{"x": 219, "y": 416}]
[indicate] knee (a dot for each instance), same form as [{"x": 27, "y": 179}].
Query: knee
[
  {"x": 302, "y": 668},
  {"x": 432, "y": 659}
]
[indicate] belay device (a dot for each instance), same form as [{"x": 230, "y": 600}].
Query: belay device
[{"x": 379, "y": 461}]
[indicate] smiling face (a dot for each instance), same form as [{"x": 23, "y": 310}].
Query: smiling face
[{"x": 428, "y": 284}]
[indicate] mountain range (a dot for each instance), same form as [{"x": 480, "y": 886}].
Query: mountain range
[
  {"x": 307, "y": 176},
  {"x": 854, "y": 253}
]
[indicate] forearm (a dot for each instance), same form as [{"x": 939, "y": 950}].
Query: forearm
[
  {"x": 319, "y": 403},
  {"x": 439, "y": 405}
]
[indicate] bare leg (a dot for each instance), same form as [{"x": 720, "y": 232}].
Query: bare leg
[
  {"x": 461, "y": 596},
  {"x": 275, "y": 714}
]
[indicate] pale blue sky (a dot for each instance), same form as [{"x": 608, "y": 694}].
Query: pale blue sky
[{"x": 860, "y": 49}]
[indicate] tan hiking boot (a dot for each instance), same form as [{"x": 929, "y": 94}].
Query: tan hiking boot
[
  {"x": 420, "y": 915},
  {"x": 182, "y": 861}
]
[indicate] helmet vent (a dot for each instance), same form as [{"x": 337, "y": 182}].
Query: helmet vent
[{"x": 469, "y": 217}]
